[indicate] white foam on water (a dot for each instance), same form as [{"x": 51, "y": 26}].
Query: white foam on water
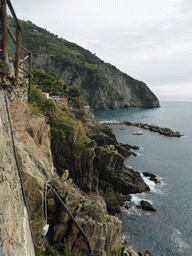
[
  {"x": 137, "y": 198},
  {"x": 138, "y": 154},
  {"x": 150, "y": 183},
  {"x": 133, "y": 210},
  {"x": 155, "y": 188},
  {"x": 176, "y": 238}
]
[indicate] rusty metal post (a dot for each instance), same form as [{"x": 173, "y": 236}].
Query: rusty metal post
[
  {"x": 18, "y": 51},
  {"x": 4, "y": 30},
  {"x": 30, "y": 76}
]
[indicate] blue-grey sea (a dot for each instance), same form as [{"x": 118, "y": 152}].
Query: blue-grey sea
[{"x": 169, "y": 230}]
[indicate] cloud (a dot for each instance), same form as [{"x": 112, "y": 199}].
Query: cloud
[
  {"x": 173, "y": 92},
  {"x": 149, "y": 40}
]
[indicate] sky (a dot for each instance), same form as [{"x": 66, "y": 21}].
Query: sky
[{"x": 150, "y": 40}]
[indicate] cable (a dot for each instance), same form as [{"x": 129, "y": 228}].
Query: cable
[
  {"x": 46, "y": 184},
  {"x": 21, "y": 180},
  {"x": 73, "y": 219}
]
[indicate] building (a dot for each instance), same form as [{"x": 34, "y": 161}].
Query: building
[{"x": 60, "y": 102}]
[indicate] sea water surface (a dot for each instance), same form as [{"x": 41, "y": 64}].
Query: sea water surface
[{"x": 169, "y": 230}]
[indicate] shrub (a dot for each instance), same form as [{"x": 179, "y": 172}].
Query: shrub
[{"x": 74, "y": 91}]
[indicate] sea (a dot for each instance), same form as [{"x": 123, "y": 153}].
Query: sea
[{"x": 168, "y": 231}]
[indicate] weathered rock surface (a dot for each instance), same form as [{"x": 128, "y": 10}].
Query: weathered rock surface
[
  {"x": 152, "y": 177},
  {"x": 35, "y": 160},
  {"x": 90, "y": 213},
  {"x": 32, "y": 141},
  {"x": 132, "y": 252},
  {"x": 146, "y": 206},
  {"x": 99, "y": 168},
  {"x": 15, "y": 235}
]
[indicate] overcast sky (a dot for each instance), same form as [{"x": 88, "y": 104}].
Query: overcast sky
[{"x": 150, "y": 40}]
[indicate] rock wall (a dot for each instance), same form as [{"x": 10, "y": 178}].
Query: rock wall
[
  {"x": 36, "y": 165},
  {"x": 103, "y": 230},
  {"x": 32, "y": 143},
  {"x": 15, "y": 235}
]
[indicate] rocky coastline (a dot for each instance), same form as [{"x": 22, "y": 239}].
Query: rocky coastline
[
  {"x": 91, "y": 179},
  {"x": 150, "y": 127}
]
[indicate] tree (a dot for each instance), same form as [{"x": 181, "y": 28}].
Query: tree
[{"x": 74, "y": 91}]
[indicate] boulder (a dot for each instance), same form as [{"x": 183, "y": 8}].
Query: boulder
[
  {"x": 152, "y": 177},
  {"x": 148, "y": 253},
  {"x": 131, "y": 252},
  {"x": 146, "y": 206},
  {"x": 65, "y": 175}
]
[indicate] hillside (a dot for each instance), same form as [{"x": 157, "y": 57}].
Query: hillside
[{"x": 102, "y": 85}]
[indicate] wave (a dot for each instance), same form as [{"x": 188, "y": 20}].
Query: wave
[
  {"x": 176, "y": 238},
  {"x": 154, "y": 188},
  {"x": 110, "y": 122}
]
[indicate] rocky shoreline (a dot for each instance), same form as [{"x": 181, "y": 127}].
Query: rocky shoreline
[{"x": 150, "y": 127}]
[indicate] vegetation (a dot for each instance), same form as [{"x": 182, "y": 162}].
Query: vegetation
[
  {"x": 67, "y": 56},
  {"x": 59, "y": 250},
  {"x": 69, "y": 143},
  {"x": 49, "y": 83},
  {"x": 107, "y": 217}
]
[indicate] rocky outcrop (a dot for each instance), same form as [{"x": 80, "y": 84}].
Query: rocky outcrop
[
  {"x": 151, "y": 176},
  {"x": 115, "y": 179},
  {"x": 32, "y": 142},
  {"x": 104, "y": 231},
  {"x": 154, "y": 128},
  {"x": 99, "y": 166},
  {"x": 132, "y": 252},
  {"x": 146, "y": 206}
]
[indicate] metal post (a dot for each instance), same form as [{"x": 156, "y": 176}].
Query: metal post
[
  {"x": 18, "y": 51},
  {"x": 4, "y": 30},
  {"x": 30, "y": 76}
]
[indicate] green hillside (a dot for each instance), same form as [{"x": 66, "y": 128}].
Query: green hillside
[{"x": 102, "y": 85}]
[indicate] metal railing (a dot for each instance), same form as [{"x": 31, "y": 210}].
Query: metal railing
[{"x": 11, "y": 48}]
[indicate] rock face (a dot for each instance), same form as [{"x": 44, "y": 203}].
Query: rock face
[
  {"x": 103, "y": 86},
  {"x": 146, "y": 206},
  {"x": 99, "y": 168},
  {"x": 15, "y": 236},
  {"x": 32, "y": 142},
  {"x": 35, "y": 161},
  {"x": 104, "y": 231},
  {"x": 126, "y": 92}
]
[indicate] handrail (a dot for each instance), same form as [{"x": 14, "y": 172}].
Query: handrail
[
  {"x": 18, "y": 57},
  {"x": 13, "y": 13}
]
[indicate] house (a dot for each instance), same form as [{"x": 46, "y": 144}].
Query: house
[{"x": 60, "y": 102}]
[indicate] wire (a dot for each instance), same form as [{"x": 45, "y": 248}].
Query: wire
[
  {"x": 46, "y": 184},
  {"x": 21, "y": 181},
  {"x": 73, "y": 219}
]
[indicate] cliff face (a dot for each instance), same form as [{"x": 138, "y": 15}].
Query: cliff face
[
  {"x": 32, "y": 143},
  {"x": 103, "y": 86},
  {"x": 97, "y": 166},
  {"x": 15, "y": 236}
]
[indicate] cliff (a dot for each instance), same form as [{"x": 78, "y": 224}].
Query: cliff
[
  {"x": 102, "y": 85},
  {"x": 32, "y": 144},
  {"x": 36, "y": 165}
]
